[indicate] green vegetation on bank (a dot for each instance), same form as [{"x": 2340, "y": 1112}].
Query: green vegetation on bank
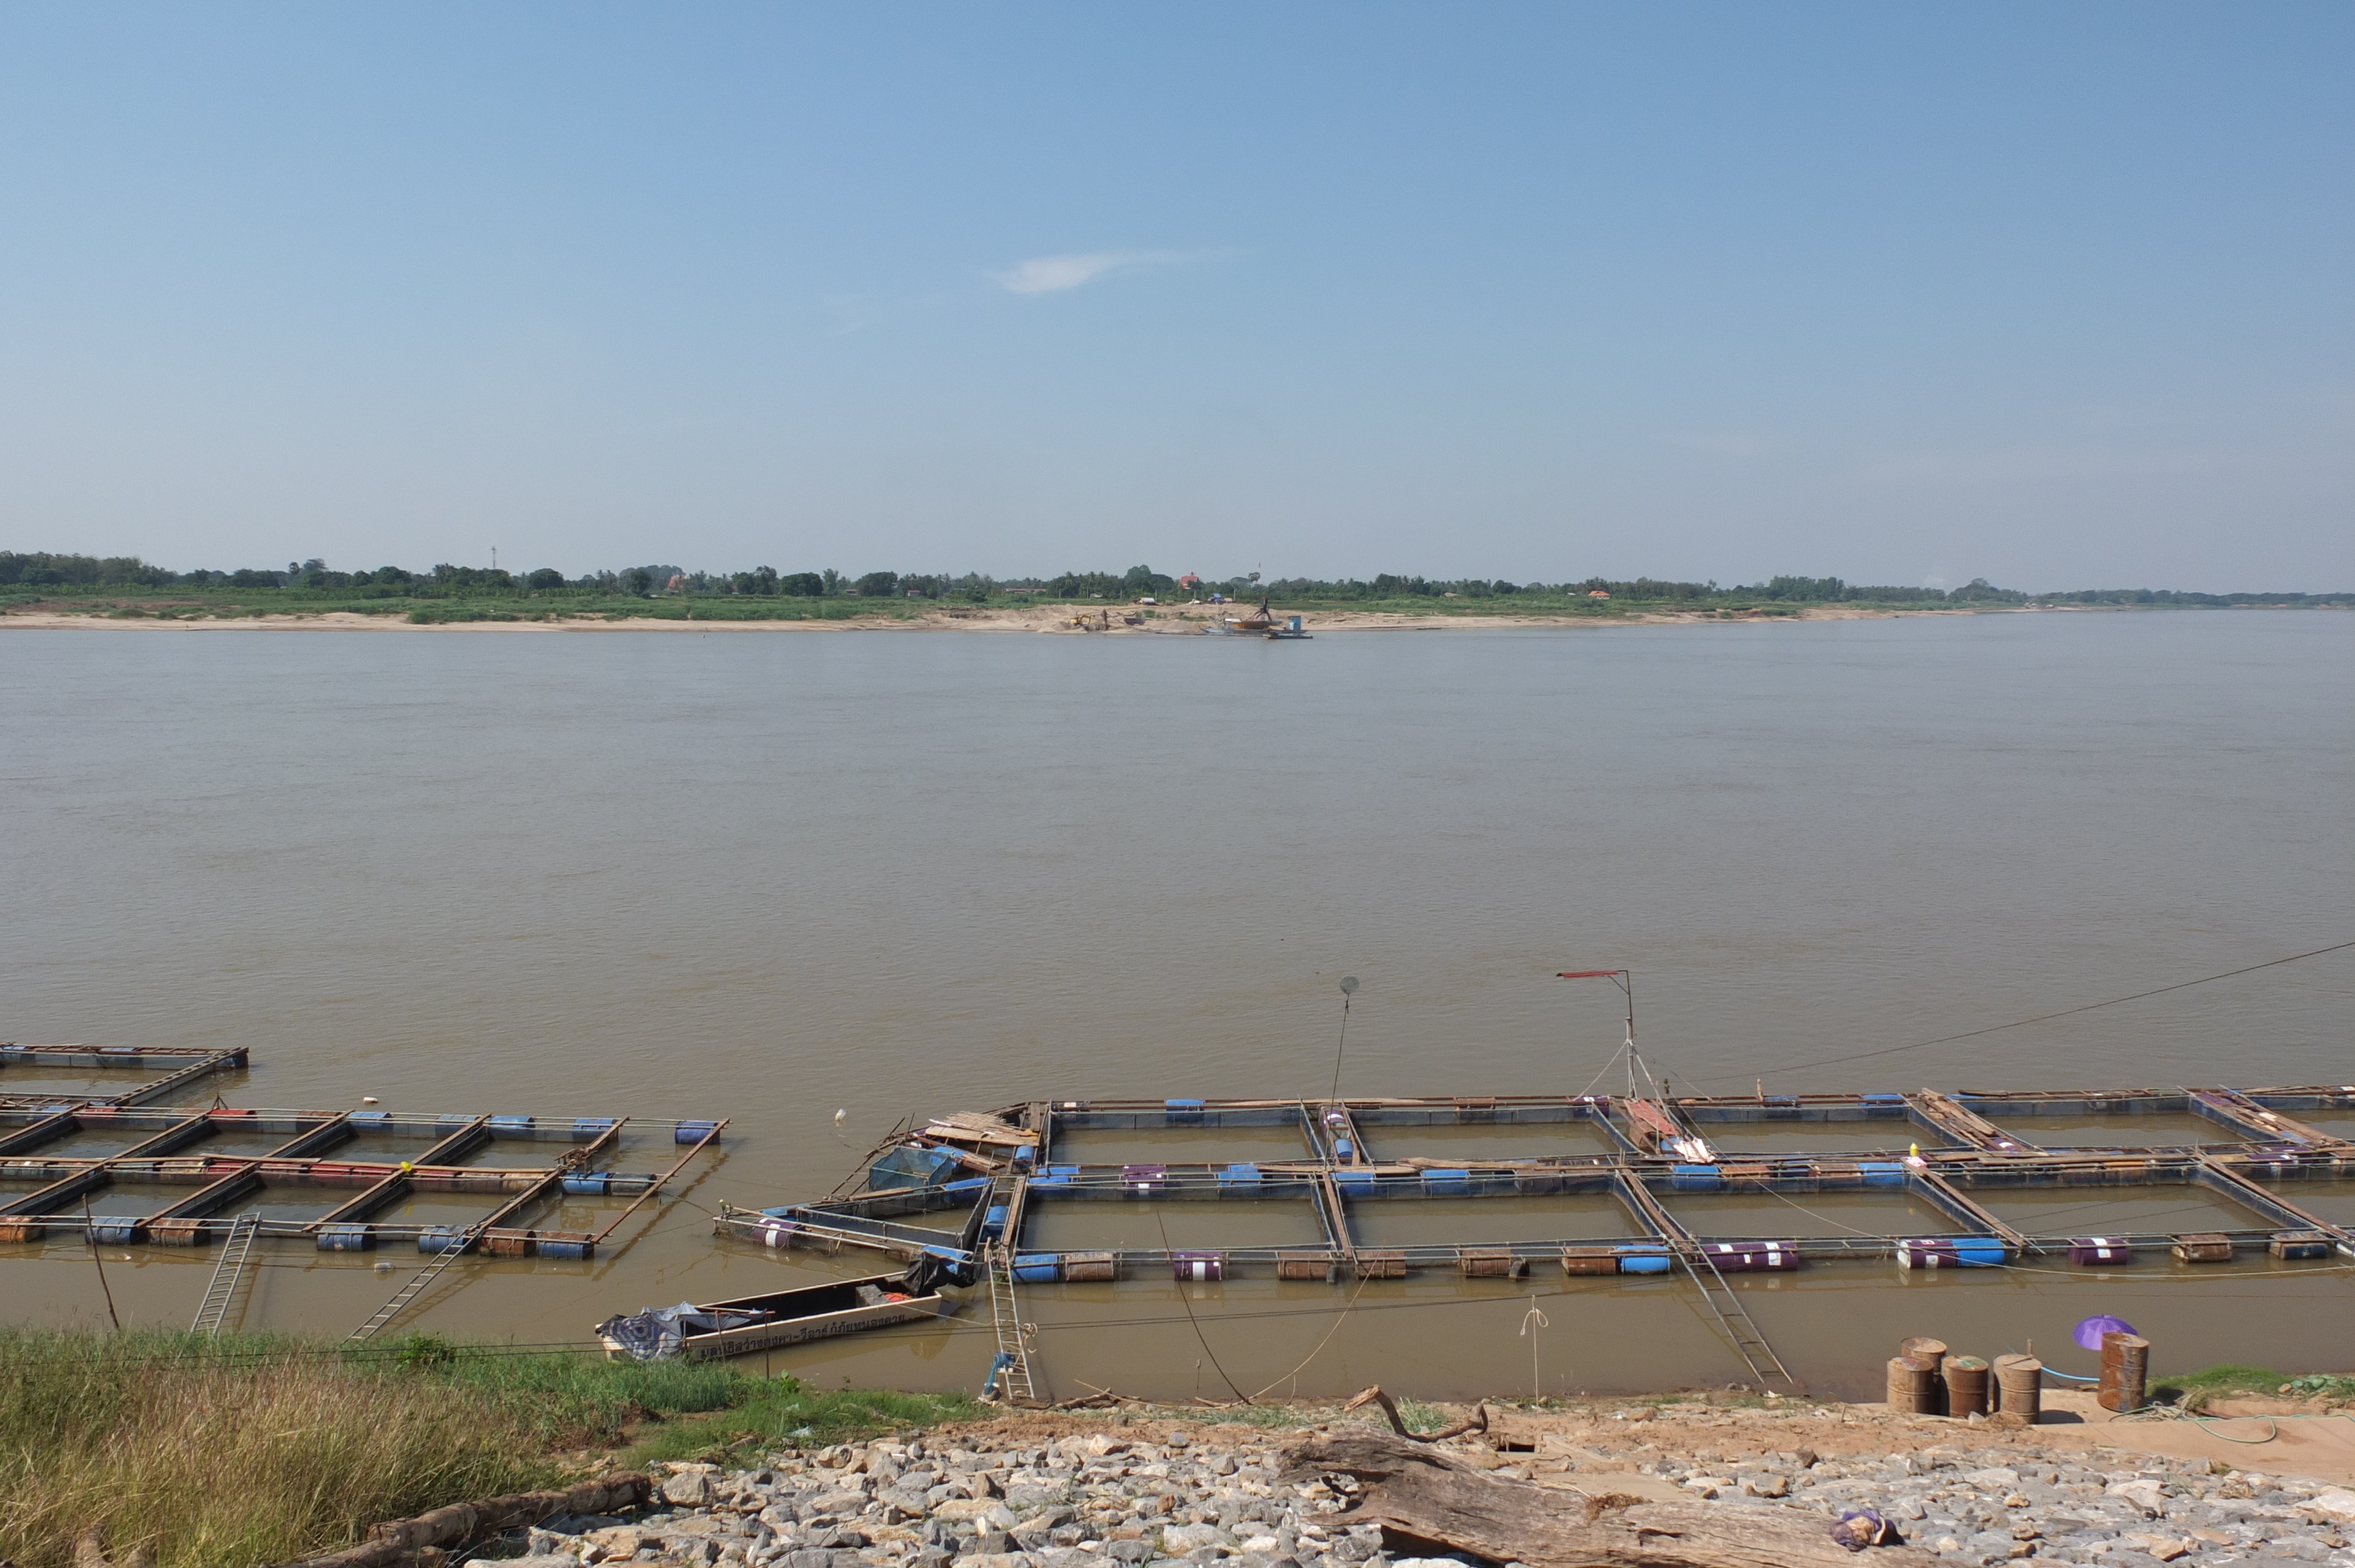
[
  {"x": 130, "y": 588},
  {"x": 255, "y": 1449},
  {"x": 2196, "y": 1390}
]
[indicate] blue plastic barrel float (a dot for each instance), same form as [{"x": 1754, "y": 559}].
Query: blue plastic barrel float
[
  {"x": 693, "y": 1131},
  {"x": 348, "y": 1238},
  {"x": 1952, "y": 1252},
  {"x": 1038, "y": 1267},
  {"x": 1644, "y": 1258}
]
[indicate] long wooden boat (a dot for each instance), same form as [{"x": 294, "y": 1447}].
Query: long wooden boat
[{"x": 790, "y": 1317}]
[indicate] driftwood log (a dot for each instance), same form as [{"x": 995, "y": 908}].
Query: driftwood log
[
  {"x": 1427, "y": 1501},
  {"x": 1374, "y": 1395},
  {"x": 401, "y": 1542}
]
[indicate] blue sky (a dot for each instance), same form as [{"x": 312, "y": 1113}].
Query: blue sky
[{"x": 2055, "y": 294}]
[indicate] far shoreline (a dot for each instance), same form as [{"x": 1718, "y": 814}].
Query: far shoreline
[{"x": 1060, "y": 619}]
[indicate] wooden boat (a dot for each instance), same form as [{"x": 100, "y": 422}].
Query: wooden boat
[{"x": 790, "y": 1317}]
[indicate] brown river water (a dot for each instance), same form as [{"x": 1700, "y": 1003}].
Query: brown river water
[{"x": 773, "y": 877}]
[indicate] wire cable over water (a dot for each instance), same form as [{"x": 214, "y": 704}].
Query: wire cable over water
[{"x": 2039, "y": 1018}]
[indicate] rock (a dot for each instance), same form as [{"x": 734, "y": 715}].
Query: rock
[
  {"x": 689, "y": 1489},
  {"x": 995, "y": 1560},
  {"x": 1066, "y": 1557},
  {"x": 540, "y": 1560},
  {"x": 838, "y": 1502},
  {"x": 1180, "y": 1539},
  {"x": 2145, "y": 1495},
  {"x": 2338, "y": 1502}
]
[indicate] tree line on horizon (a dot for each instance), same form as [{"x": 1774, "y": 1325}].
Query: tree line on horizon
[{"x": 45, "y": 569}]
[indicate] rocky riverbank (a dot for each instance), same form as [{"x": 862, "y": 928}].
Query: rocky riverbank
[{"x": 1065, "y": 1492}]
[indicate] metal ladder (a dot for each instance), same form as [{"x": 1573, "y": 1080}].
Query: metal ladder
[
  {"x": 408, "y": 1293},
  {"x": 1764, "y": 1365},
  {"x": 1009, "y": 1374},
  {"x": 213, "y": 1311}
]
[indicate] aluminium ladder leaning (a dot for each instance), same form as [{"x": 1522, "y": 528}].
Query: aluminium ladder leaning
[
  {"x": 1735, "y": 1320},
  {"x": 459, "y": 1246},
  {"x": 1009, "y": 1374},
  {"x": 212, "y": 1313}
]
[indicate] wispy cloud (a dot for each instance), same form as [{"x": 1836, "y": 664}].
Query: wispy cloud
[{"x": 1054, "y": 274}]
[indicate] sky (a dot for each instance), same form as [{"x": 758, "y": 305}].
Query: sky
[{"x": 2061, "y": 295}]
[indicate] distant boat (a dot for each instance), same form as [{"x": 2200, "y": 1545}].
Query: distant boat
[{"x": 1261, "y": 622}]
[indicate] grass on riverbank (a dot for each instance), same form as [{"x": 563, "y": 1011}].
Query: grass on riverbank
[
  {"x": 2196, "y": 1390},
  {"x": 252, "y": 1449}
]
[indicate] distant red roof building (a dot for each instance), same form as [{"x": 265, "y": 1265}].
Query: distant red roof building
[
  {"x": 1596, "y": 593},
  {"x": 1189, "y": 582}
]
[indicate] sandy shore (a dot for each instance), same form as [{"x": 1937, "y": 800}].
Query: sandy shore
[{"x": 1177, "y": 621}]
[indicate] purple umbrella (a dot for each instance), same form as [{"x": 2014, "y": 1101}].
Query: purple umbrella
[{"x": 2089, "y": 1333}]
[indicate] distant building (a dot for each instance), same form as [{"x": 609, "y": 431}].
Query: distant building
[
  {"x": 678, "y": 583},
  {"x": 1596, "y": 593},
  {"x": 1189, "y": 582}
]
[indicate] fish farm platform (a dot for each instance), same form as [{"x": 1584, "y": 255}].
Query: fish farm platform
[
  {"x": 1098, "y": 1190},
  {"x": 120, "y": 1168},
  {"x": 1591, "y": 1185}
]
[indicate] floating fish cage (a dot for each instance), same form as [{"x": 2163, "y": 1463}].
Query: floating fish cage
[
  {"x": 120, "y": 1168},
  {"x": 1507, "y": 1186}
]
